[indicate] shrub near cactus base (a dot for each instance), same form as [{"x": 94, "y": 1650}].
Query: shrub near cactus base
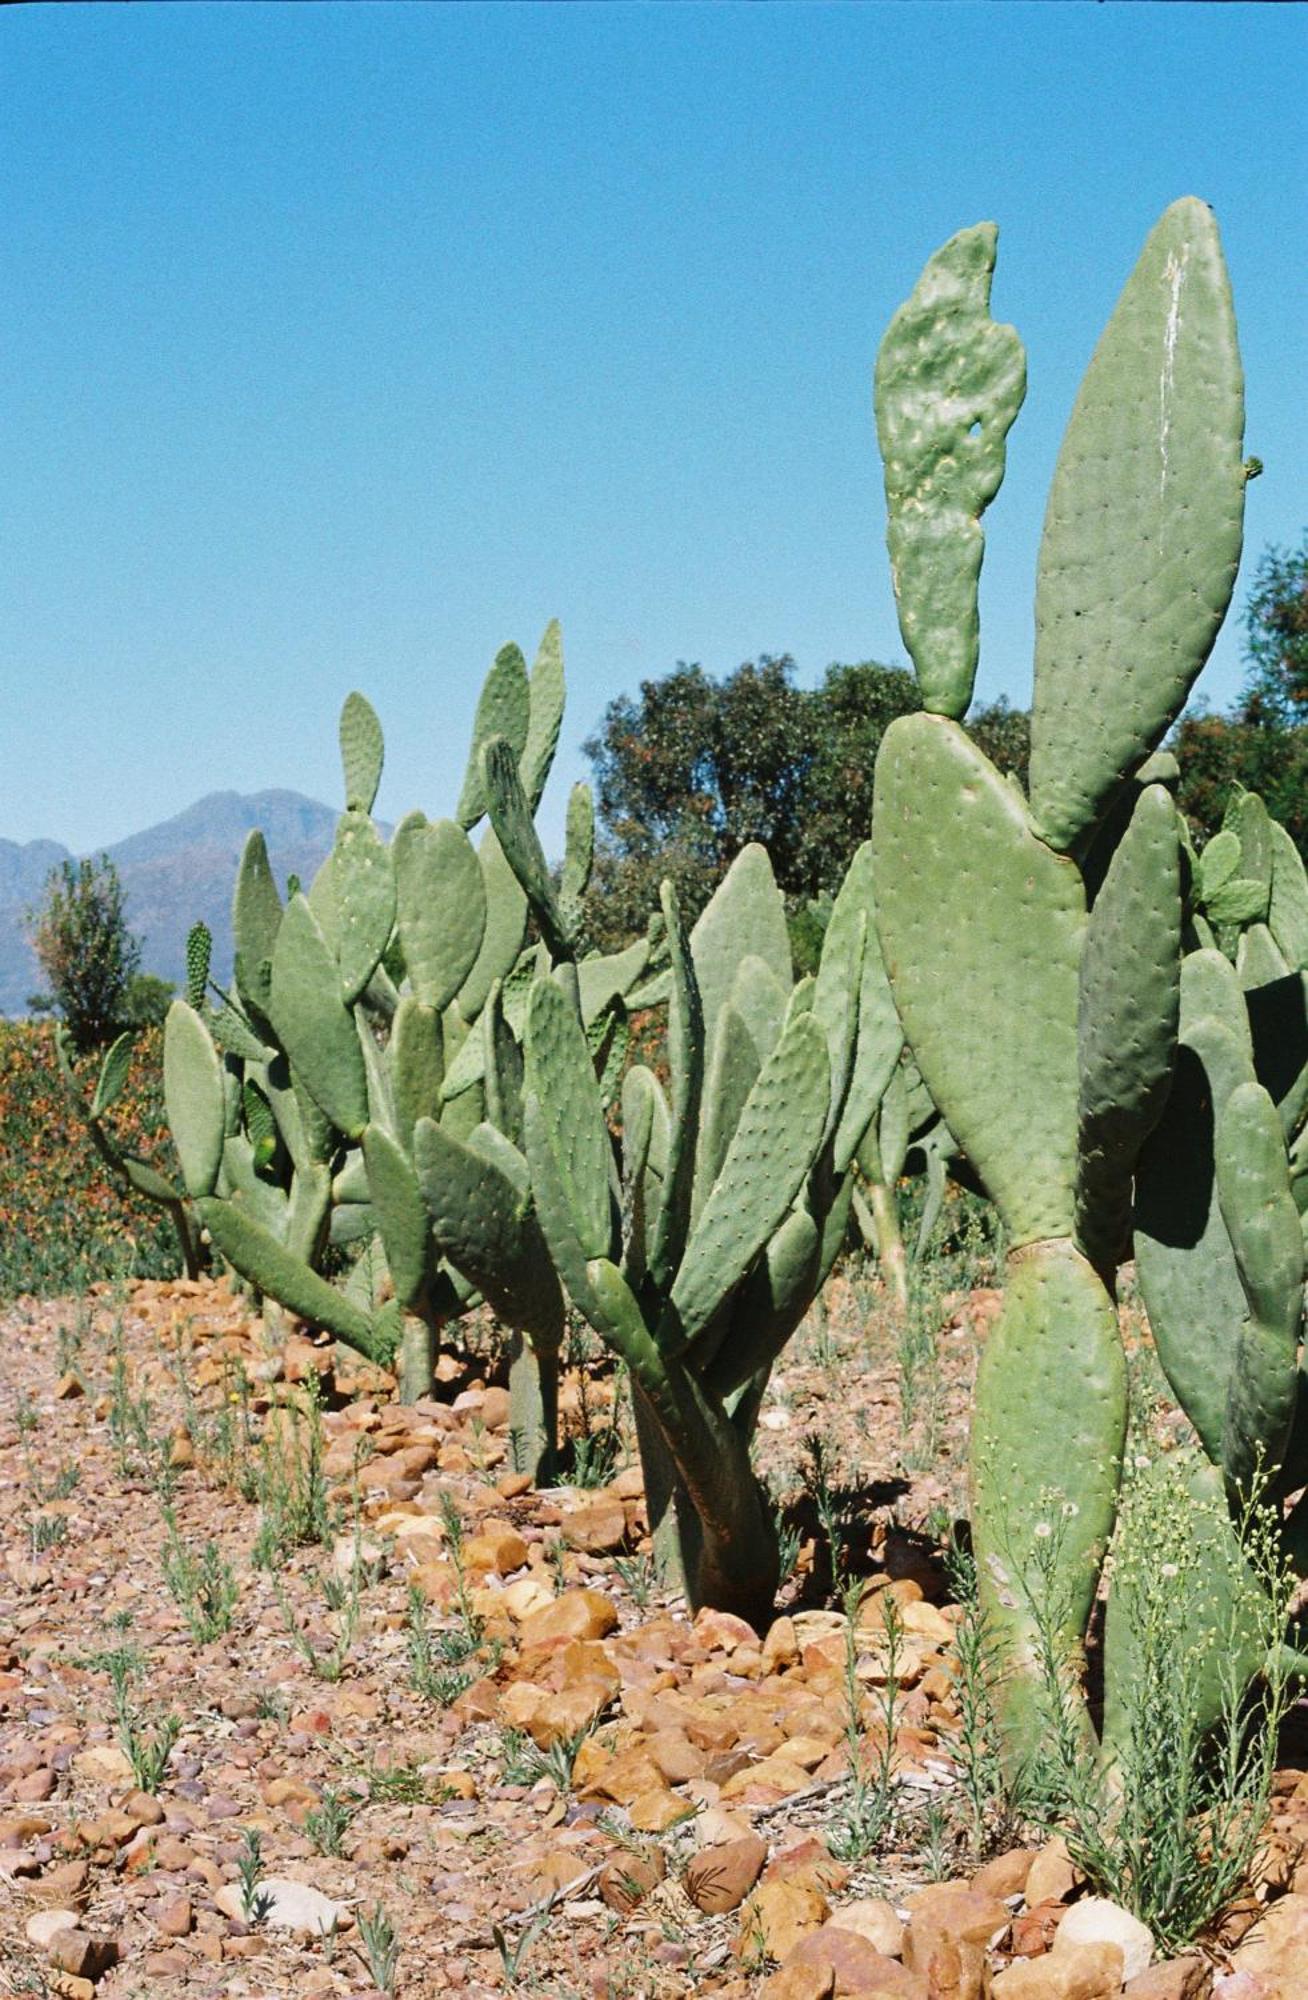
[
  {"x": 1059, "y": 963},
  {"x": 360, "y": 1084}
]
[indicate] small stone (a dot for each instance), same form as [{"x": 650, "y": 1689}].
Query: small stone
[
  {"x": 82, "y": 1956},
  {"x": 598, "y": 1527},
  {"x": 290, "y": 1906},
  {"x": 718, "y": 1879},
  {"x": 872, "y": 1918},
  {"x": 952, "y": 1968},
  {"x": 47, "y": 1924},
  {"x": 176, "y": 1917},
  {"x": 1188, "y": 1978},
  {"x": 628, "y": 1878},
  {"x": 65, "y": 1887},
  {"x": 1052, "y": 1876},
  {"x": 68, "y": 1387},
  {"x": 1082, "y": 1972},
  {"x": 857, "y": 1967},
  {"x": 34, "y": 1787},
  {"x": 777, "y": 1917},
  {"x": 1006, "y": 1875},
  {"x": 1097, "y": 1920},
  {"x": 495, "y": 1408},
  {"x": 578, "y": 1614},
  {"x": 960, "y": 1912}
]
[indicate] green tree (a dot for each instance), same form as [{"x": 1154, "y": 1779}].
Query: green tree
[
  {"x": 1263, "y": 743},
  {"x": 692, "y": 768},
  {"x": 83, "y": 945}
]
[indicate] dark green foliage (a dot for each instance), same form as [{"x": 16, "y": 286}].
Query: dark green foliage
[
  {"x": 84, "y": 947},
  {"x": 692, "y": 769}
]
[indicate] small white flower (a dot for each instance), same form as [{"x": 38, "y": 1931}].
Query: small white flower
[
  {"x": 1070, "y": 1510},
  {"x": 1042, "y": 1531},
  {"x": 1141, "y": 1463},
  {"x": 1169, "y": 1569}
]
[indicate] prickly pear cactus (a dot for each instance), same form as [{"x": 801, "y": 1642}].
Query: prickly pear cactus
[
  {"x": 360, "y": 1085},
  {"x": 696, "y": 1247},
  {"x": 1100, "y": 1016}
]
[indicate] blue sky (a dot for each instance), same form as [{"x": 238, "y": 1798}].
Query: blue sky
[{"x": 339, "y": 344}]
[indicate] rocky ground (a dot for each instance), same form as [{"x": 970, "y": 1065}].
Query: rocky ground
[{"x": 304, "y": 1693}]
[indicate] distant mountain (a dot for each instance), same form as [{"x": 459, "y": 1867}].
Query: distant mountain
[{"x": 173, "y": 874}]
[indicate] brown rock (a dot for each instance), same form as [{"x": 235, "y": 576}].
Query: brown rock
[
  {"x": 777, "y": 1916},
  {"x": 1006, "y": 1875},
  {"x": 952, "y": 1968},
  {"x": 1188, "y": 1978},
  {"x": 1082, "y": 1972},
  {"x": 1034, "y": 1930},
  {"x": 79, "y": 1954},
  {"x": 65, "y": 1887},
  {"x": 578, "y": 1614},
  {"x": 143, "y": 1809},
  {"x": 780, "y": 1647},
  {"x": 597, "y": 1527},
  {"x": 1277, "y": 1947},
  {"x": 675, "y": 1755},
  {"x": 872, "y": 1918},
  {"x": 495, "y": 1408},
  {"x": 629, "y": 1877},
  {"x": 959, "y": 1912},
  {"x": 656, "y": 1811},
  {"x": 1051, "y": 1877},
  {"x": 799, "y": 1982},
  {"x": 176, "y": 1917},
  {"x": 857, "y": 1967},
  {"x": 34, "y": 1787},
  {"x": 720, "y": 1878}
]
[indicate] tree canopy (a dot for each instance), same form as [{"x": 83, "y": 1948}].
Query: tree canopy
[{"x": 691, "y": 769}]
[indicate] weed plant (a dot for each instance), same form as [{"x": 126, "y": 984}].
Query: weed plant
[{"x": 1172, "y": 1832}]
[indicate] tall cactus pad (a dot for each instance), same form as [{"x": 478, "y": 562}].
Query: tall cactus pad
[
  {"x": 1130, "y": 1001},
  {"x": 981, "y": 929},
  {"x": 256, "y": 919},
  {"x": 313, "y": 1024},
  {"x": 362, "y": 751},
  {"x": 1253, "y": 1191},
  {"x": 1188, "y": 1274},
  {"x": 504, "y": 709},
  {"x": 1143, "y": 527},
  {"x": 949, "y": 383},
  {"x": 546, "y": 717},
  {"x": 364, "y": 881},
  {"x": 560, "y": 1077},
  {"x": 771, "y": 1151},
  {"x": 441, "y": 906},
  {"x": 193, "y": 1094},
  {"x": 1048, "y": 1437}
]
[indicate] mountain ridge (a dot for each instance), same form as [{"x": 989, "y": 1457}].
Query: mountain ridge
[{"x": 177, "y": 872}]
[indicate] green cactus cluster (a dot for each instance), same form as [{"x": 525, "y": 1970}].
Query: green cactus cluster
[
  {"x": 1112, "y": 1027},
  {"x": 695, "y": 1245},
  {"x": 360, "y": 1085}
]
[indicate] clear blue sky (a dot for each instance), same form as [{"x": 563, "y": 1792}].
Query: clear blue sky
[{"x": 339, "y": 344}]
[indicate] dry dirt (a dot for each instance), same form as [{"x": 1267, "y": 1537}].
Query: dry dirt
[{"x": 333, "y": 1737}]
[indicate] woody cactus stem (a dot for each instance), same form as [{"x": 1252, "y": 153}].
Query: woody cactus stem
[
  {"x": 696, "y": 1252},
  {"x": 1034, "y": 949}
]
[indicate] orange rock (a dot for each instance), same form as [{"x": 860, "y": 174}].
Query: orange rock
[
  {"x": 718, "y": 1879},
  {"x": 675, "y": 1755},
  {"x": 1052, "y": 1876},
  {"x": 1082, "y": 1972},
  {"x": 857, "y": 1968},
  {"x": 799, "y": 1982},
  {"x": 628, "y": 1878},
  {"x": 578, "y": 1614},
  {"x": 597, "y": 1527},
  {"x": 568, "y": 1713},
  {"x": 655, "y": 1811},
  {"x": 1276, "y": 1948},
  {"x": 777, "y": 1917},
  {"x": 959, "y": 1912},
  {"x": 1188, "y": 1978},
  {"x": 952, "y": 1968},
  {"x": 772, "y": 1778},
  {"x": 1006, "y": 1875},
  {"x": 722, "y": 1631},
  {"x": 873, "y": 1918},
  {"x": 780, "y": 1647}
]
